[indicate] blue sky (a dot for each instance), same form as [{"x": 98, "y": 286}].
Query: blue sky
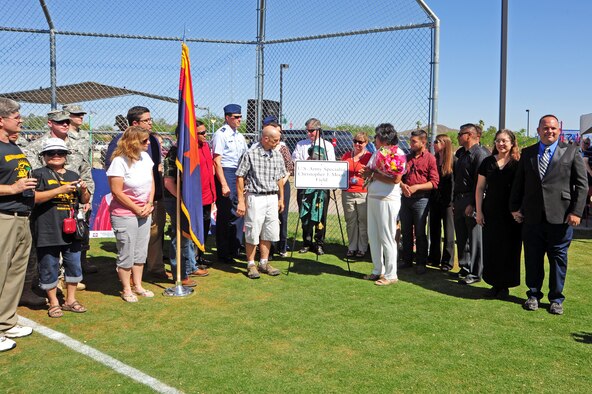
[
  {"x": 548, "y": 56},
  {"x": 549, "y": 61}
]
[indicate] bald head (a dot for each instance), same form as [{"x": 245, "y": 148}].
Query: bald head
[{"x": 270, "y": 136}]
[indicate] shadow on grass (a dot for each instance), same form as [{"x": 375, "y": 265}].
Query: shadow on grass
[
  {"x": 444, "y": 283},
  {"x": 582, "y": 337},
  {"x": 106, "y": 281},
  {"x": 311, "y": 264}
]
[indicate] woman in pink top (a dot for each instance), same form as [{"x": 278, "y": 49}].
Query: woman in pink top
[
  {"x": 354, "y": 198},
  {"x": 132, "y": 186}
]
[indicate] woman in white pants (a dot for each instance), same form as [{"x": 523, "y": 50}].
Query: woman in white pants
[{"x": 384, "y": 202}]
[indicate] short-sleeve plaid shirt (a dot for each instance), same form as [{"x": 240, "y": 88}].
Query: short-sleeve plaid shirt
[{"x": 261, "y": 170}]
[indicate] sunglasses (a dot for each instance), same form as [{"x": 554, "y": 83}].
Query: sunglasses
[
  {"x": 359, "y": 142},
  {"x": 145, "y": 141},
  {"x": 311, "y": 130},
  {"x": 237, "y": 116},
  {"x": 201, "y": 132},
  {"x": 51, "y": 153},
  {"x": 61, "y": 122}
]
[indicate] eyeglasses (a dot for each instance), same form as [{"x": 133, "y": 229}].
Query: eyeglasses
[
  {"x": 236, "y": 116},
  {"x": 145, "y": 141},
  {"x": 17, "y": 118},
  {"x": 359, "y": 142},
  {"x": 51, "y": 153},
  {"x": 149, "y": 120},
  {"x": 202, "y": 132},
  {"x": 311, "y": 130}
]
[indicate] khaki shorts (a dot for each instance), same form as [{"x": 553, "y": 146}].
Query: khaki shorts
[{"x": 262, "y": 218}]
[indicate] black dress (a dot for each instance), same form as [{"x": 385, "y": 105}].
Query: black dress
[{"x": 502, "y": 241}]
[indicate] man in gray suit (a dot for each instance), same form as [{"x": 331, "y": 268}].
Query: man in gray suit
[{"x": 549, "y": 194}]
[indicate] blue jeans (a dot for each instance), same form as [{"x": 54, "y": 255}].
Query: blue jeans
[
  {"x": 188, "y": 261},
  {"x": 49, "y": 264},
  {"x": 414, "y": 216}
]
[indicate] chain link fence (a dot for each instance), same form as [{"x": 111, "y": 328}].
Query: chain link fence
[{"x": 352, "y": 65}]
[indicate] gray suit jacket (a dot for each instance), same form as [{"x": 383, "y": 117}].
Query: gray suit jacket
[{"x": 562, "y": 191}]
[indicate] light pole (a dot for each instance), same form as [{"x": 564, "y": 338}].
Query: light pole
[
  {"x": 282, "y": 67},
  {"x": 527, "y": 122}
]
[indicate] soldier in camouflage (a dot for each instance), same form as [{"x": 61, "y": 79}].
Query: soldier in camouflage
[{"x": 76, "y": 121}]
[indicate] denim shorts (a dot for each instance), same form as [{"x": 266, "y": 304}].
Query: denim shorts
[{"x": 48, "y": 258}]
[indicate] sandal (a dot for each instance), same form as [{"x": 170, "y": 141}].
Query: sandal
[
  {"x": 385, "y": 282},
  {"x": 359, "y": 253},
  {"x": 373, "y": 277},
  {"x": 75, "y": 307},
  {"x": 129, "y": 297},
  {"x": 143, "y": 293},
  {"x": 350, "y": 253},
  {"x": 55, "y": 311}
]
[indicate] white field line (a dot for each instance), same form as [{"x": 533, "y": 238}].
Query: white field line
[{"x": 100, "y": 357}]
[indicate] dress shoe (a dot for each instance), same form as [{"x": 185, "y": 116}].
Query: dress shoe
[
  {"x": 319, "y": 250},
  {"x": 88, "y": 268},
  {"x": 199, "y": 272},
  {"x": 457, "y": 275},
  {"x": 556, "y": 308},
  {"x": 420, "y": 269},
  {"x": 532, "y": 304},
  {"x": 226, "y": 260},
  {"x": 304, "y": 249},
  {"x": 503, "y": 293},
  {"x": 469, "y": 280},
  {"x": 30, "y": 299},
  {"x": 189, "y": 282},
  {"x": 404, "y": 265}
]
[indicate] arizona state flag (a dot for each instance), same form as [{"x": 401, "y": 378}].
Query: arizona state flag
[{"x": 187, "y": 160}]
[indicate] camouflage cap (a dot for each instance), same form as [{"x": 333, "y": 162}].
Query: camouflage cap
[
  {"x": 58, "y": 116},
  {"x": 74, "y": 109}
]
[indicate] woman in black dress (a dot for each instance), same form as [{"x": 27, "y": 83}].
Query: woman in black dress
[
  {"x": 502, "y": 242},
  {"x": 441, "y": 216}
]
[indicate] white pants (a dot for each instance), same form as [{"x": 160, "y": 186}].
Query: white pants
[{"x": 382, "y": 227}]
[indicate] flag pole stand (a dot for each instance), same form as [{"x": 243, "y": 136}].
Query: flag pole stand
[{"x": 178, "y": 290}]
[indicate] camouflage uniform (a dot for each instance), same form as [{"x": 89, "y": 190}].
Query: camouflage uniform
[{"x": 78, "y": 160}]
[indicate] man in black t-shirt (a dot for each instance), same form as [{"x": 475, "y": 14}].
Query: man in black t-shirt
[{"x": 16, "y": 202}]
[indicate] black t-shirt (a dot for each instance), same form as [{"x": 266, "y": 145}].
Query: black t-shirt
[
  {"x": 14, "y": 166},
  {"x": 48, "y": 217}
]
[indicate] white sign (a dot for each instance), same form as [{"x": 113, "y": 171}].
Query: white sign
[{"x": 320, "y": 174}]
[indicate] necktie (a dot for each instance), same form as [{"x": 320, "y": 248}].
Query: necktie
[{"x": 544, "y": 161}]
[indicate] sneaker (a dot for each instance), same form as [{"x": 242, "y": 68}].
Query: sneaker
[
  {"x": 253, "y": 273},
  {"x": 304, "y": 249},
  {"x": 268, "y": 269},
  {"x": 6, "y": 344},
  {"x": 18, "y": 331},
  {"x": 532, "y": 304},
  {"x": 556, "y": 308},
  {"x": 319, "y": 250},
  {"x": 283, "y": 254},
  {"x": 80, "y": 286}
]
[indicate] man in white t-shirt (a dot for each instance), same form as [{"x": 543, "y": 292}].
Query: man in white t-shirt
[{"x": 301, "y": 152}]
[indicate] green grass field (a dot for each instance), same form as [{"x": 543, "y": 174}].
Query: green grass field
[{"x": 318, "y": 329}]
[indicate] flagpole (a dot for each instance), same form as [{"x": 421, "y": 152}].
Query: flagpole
[{"x": 178, "y": 229}]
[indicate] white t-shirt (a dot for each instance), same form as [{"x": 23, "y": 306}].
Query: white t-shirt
[
  {"x": 301, "y": 149},
  {"x": 137, "y": 182}
]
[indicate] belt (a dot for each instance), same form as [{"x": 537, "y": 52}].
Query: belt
[
  {"x": 23, "y": 214},
  {"x": 265, "y": 193}
]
